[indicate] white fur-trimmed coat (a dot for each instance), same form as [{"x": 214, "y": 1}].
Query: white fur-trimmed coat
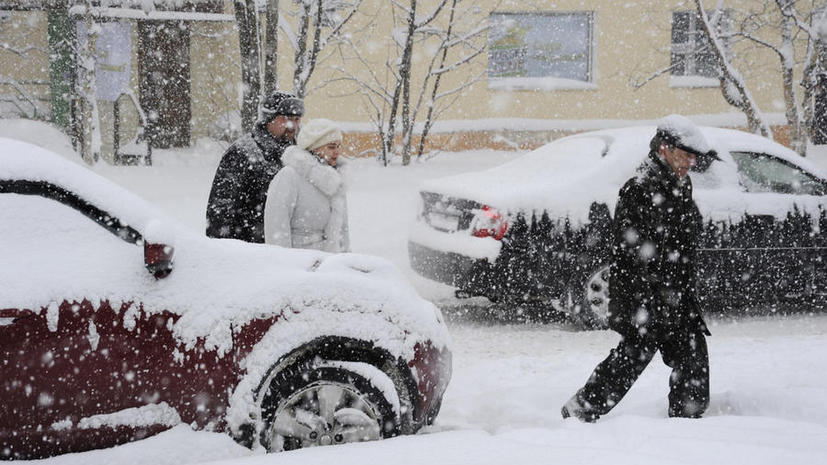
[{"x": 306, "y": 205}]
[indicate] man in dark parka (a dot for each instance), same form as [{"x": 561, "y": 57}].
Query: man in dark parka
[
  {"x": 652, "y": 282},
  {"x": 235, "y": 208}
]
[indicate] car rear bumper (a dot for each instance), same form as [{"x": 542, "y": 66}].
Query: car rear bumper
[
  {"x": 510, "y": 273},
  {"x": 457, "y": 259},
  {"x": 444, "y": 267},
  {"x": 471, "y": 275},
  {"x": 461, "y": 243}
]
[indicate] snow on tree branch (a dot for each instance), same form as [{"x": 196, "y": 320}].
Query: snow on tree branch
[
  {"x": 733, "y": 85},
  {"x": 23, "y": 51},
  {"x": 321, "y": 24}
]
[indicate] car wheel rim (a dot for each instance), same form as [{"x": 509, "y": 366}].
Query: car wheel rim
[
  {"x": 321, "y": 414},
  {"x": 597, "y": 295}
]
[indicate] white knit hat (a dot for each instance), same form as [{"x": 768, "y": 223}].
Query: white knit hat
[{"x": 318, "y": 132}]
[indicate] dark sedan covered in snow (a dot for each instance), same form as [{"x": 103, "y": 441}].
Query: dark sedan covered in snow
[
  {"x": 536, "y": 230},
  {"x": 116, "y": 323}
]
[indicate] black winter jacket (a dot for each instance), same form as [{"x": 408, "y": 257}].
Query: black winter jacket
[
  {"x": 235, "y": 208},
  {"x": 653, "y": 276}
]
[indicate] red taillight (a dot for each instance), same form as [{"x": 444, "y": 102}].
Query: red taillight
[{"x": 489, "y": 222}]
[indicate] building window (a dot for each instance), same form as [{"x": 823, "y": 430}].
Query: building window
[
  {"x": 333, "y": 11},
  {"x": 541, "y": 50},
  {"x": 692, "y": 52},
  {"x": 21, "y": 5},
  {"x": 197, "y": 6}
]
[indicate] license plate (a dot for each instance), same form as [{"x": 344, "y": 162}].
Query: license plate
[{"x": 444, "y": 222}]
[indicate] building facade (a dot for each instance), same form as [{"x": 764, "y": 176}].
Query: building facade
[{"x": 547, "y": 68}]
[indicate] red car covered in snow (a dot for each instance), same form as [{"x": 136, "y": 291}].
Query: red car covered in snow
[{"x": 116, "y": 323}]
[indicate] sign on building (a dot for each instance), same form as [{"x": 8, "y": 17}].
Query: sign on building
[{"x": 113, "y": 51}]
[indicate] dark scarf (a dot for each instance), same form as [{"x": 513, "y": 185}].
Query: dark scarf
[{"x": 271, "y": 147}]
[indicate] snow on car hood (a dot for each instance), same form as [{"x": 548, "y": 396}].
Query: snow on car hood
[
  {"x": 566, "y": 176},
  {"x": 215, "y": 284}
]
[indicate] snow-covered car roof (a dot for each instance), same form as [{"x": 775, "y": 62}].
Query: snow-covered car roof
[
  {"x": 23, "y": 161},
  {"x": 567, "y": 175},
  {"x": 216, "y": 283}
]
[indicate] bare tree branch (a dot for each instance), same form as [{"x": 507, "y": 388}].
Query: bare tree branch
[
  {"x": 405, "y": 91},
  {"x": 652, "y": 77},
  {"x": 430, "y": 17},
  {"x": 311, "y": 17},
  {"x": 23, "y": 51}
]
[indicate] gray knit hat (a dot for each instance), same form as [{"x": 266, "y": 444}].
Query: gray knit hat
[{"x": 281, "y": 104}]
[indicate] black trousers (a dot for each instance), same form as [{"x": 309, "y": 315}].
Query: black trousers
[{"x": 686, "y": 353}]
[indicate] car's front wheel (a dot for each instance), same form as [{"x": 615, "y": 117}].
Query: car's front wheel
[{"x": 329, "y": 404}]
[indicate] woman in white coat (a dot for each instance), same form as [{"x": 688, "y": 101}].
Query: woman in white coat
[{"x": 306, "y": 205}]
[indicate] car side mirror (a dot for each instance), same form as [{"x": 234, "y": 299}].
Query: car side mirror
[
  {"x": 158, "y": 259},
  {"x": 158, "y": 252}
]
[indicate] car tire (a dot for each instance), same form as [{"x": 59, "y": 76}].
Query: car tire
[
  {"x": 593, "y": 298},
  {"x": 326, "y": 404}
]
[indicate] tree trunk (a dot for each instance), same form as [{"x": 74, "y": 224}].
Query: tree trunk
[
  {"x": 90, "y": 141},
  {"x": 813, "y": 69},
  {"x": 271, "y": 44},
  {"x": 405, "y": 86},
  {"x": 317, "y": 46},
  {"x": 245, "y": 13},
  {"x": 62, "y": 32},
  {"x": 808, "y": 83},
  {"x": 798, "y": 138},
  {"x": 306, "y": 62},
  {"x": 301, "y": 49},
  {"x": 428, "y": 119}
]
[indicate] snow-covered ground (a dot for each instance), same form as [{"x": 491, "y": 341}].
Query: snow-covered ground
[{"x": 768, "y": 380}]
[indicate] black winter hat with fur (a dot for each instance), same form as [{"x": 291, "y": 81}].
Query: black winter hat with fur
[{"x": 281, "y": 104}]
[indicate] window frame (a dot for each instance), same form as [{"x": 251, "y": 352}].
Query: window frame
[
  {"x": 329, "y": 12},
  {"x": 689, "y": 50},
  {"x": 540, "y": 83},
  {"x": 185, "y": 6},
  {"x": 22, "y": 5}
]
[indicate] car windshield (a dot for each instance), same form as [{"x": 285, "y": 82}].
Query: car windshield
[{"x": 760, "y": 172}]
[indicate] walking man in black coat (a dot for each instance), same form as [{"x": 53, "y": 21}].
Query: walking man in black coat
[
  {"x": 652, "y": 281},
  {"x": 235, "y": 208}
]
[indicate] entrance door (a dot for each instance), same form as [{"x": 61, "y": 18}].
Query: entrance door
[{"x": 165, "y": 82}]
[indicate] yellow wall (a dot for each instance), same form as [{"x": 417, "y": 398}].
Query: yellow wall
[
  {"x": 25, "y": 32},
  {"x": 215, "y": 74},
  {"x": 632, "y": 41}
]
